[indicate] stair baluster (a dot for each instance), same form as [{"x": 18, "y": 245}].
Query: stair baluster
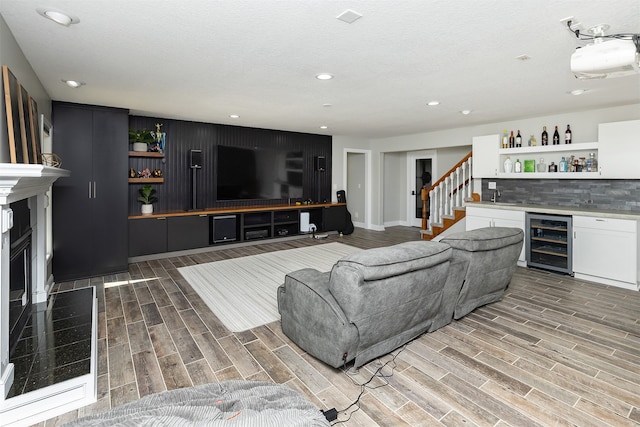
[{"x": 446, "y": 199}]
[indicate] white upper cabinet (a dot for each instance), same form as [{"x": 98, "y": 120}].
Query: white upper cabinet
[
  {"x": 486, "y": 159},
  {"x": 618, "y": 149}
]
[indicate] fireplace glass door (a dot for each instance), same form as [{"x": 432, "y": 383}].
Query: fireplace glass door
[{"x": 20, "y": 288}]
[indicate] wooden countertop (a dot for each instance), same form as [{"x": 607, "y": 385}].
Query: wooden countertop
[{"x": 217, "y": 211}]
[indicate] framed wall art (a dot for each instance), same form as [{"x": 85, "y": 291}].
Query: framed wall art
[
  {"x": 25, "y": 125},
  {"x": 36, "y": 144},
  {"x": 12, "y": 110}
]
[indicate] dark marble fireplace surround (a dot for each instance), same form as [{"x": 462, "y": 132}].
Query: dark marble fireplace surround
[{"x": 607, "y": 194}]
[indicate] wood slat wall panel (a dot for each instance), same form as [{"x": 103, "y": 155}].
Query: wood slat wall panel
[{"x": 182, "y": 136}]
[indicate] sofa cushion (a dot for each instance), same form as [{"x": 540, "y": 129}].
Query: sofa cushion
[
  {"x": 378, "y": 263},
  {"x": 484, "y": 239}
]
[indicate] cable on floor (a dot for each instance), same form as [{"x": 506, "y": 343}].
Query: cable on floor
[{"x": 364, "y": 386}]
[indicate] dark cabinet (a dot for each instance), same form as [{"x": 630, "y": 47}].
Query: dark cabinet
[
  {"x": 147, "y": 236},
  {"x": 90, "y": 206},
  {"x": 187, "y": 232},
  {"x": 334, "y": 218}
]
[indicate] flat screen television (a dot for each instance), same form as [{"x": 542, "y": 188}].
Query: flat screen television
[{"x": 258, "y": 173}]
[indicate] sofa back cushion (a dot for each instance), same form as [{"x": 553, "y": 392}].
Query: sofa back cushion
[
  {"x": 388, "y": 291},
  {"x": 485, "y": 239},
  {"x": 379, "y": 263},
  {"x": 491, "y": 256}
]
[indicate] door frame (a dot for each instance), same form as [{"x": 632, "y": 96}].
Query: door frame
[
  {"x": 412, "y": 157},
  {"x": 367, "y": 180}
]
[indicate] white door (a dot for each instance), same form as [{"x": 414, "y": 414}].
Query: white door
[
  {"x": 357, "y": 188},
  {"x": 421, "y": 170}
]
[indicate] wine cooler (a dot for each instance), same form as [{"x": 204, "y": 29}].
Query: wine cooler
[{"x": 549, "y": 242}]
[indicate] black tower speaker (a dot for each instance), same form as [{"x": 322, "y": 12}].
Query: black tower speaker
[
  {"x": 321, "y": 163},
  {"x": 342, "y": 196},
  {"x": 195, "y": 159}
]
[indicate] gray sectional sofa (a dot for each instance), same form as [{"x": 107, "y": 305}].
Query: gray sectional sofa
[{"x": 376, "y": 300}]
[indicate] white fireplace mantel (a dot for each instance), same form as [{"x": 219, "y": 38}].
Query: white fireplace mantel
[{"x": 19, "y": 182}]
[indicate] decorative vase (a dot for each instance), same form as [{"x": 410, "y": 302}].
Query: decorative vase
[
  {"x": 147, "y": 209},
  {"x": 139, "y": 146}
]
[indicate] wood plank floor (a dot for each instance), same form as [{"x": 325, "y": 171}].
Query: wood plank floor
[{"x": 554, "y": 351}]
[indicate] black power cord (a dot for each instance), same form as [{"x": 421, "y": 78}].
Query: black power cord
[
  {"x": 364, "y": 386},
  {"x": 622, "y": 36}
]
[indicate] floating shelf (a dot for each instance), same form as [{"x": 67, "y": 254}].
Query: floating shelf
[
  {"x": 145, "y": 154},
  {"x": 146, "y": 180},
  {"x": 550, "y": 175},
  {"x": 543, "y": 149}
]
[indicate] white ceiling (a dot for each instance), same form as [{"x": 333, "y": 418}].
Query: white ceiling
[{"x": 203, "y": 60}]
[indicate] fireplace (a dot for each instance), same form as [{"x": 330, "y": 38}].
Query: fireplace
[{"x": 20, "y": 272}]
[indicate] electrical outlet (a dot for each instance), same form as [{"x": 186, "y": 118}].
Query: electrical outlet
[
  {"x": 492, "y": 185},
  {"x": 355, "y": 215}
]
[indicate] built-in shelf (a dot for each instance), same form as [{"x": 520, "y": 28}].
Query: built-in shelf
[
  {"x": 146, "y": 180},
  {"x": 543, "y": 149},
  {"x": 145, "y": 154},
  {"x": 549, "y": 175},
  {"x": 552, "y": 153}
]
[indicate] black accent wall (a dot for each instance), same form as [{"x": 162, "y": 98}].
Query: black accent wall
[{"x": 182, "y": 136}]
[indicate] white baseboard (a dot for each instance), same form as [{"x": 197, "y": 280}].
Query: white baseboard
[{"x": 396, "y": 224}]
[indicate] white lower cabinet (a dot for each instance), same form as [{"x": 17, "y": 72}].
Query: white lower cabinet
[
  {"x": 605, "y": 250},
  {"x": 481, "y": 217}
]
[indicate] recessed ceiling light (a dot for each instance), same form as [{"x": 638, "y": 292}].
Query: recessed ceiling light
[
  {"x": 433, "y": 103},
  {"x": 324, "y": 76},
  {"x": 465, "y": 112},
  {"x": 58, "y": 16},
  {"x": 327, "y": 105},
  {"x": 73, "y": 83},
  {"x": 523, "y": 57},
  {"x": 578, "y": 91},
  {"x": 234, "y": 116},
  {"x": 323, "y": 127}
]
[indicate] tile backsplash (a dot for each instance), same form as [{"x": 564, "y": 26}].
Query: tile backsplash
[{"x": 616, "y": 194}]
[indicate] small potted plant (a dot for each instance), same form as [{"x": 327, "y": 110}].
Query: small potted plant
[
  {"x": 142, "y": 139},
  {"x": 147, "y": 199}
]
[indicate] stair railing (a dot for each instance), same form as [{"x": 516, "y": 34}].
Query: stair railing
[{"x": 448, "y": 193}]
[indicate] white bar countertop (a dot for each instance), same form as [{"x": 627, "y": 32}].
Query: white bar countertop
[{"x": 559, "y": 210}]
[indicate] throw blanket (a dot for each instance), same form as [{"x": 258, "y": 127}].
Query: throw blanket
[{"x": 230, "y": 403}]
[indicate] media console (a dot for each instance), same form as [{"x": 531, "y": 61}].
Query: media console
[{"x": 177, "y": 231}]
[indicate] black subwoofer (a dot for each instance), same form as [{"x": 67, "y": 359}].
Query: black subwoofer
[{"x": 223, "y": 228}]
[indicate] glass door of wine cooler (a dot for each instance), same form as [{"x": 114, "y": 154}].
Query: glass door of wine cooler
[{"x": 549, "y": 243}]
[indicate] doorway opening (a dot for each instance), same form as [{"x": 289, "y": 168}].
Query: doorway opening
[{"x": 421, "y": 173}]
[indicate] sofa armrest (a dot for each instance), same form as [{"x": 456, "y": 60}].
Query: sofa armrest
[
  {"x": 312, "y": 318},
  {"x": 318, "y": 283}
]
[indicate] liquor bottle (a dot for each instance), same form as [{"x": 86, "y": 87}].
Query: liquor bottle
[
  {"x": 532, "y": 141},
  {"x": 508, "y": 165},
  {"x": 517, "y": 166},
  {"x": 567, "y": 135},
  {"x": 505, "y": 139},
  {"x": 518, "y": 139},
  {"x": 556, "y": 137},
  {"x": 545, "y": 136},
  {"x": 512, "y": 140},
  {"x": 563, "y": 165},
  {"x": 594, "y": 162}
]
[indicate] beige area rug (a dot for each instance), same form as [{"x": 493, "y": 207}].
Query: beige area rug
[{"x": 242, "y": 291}]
